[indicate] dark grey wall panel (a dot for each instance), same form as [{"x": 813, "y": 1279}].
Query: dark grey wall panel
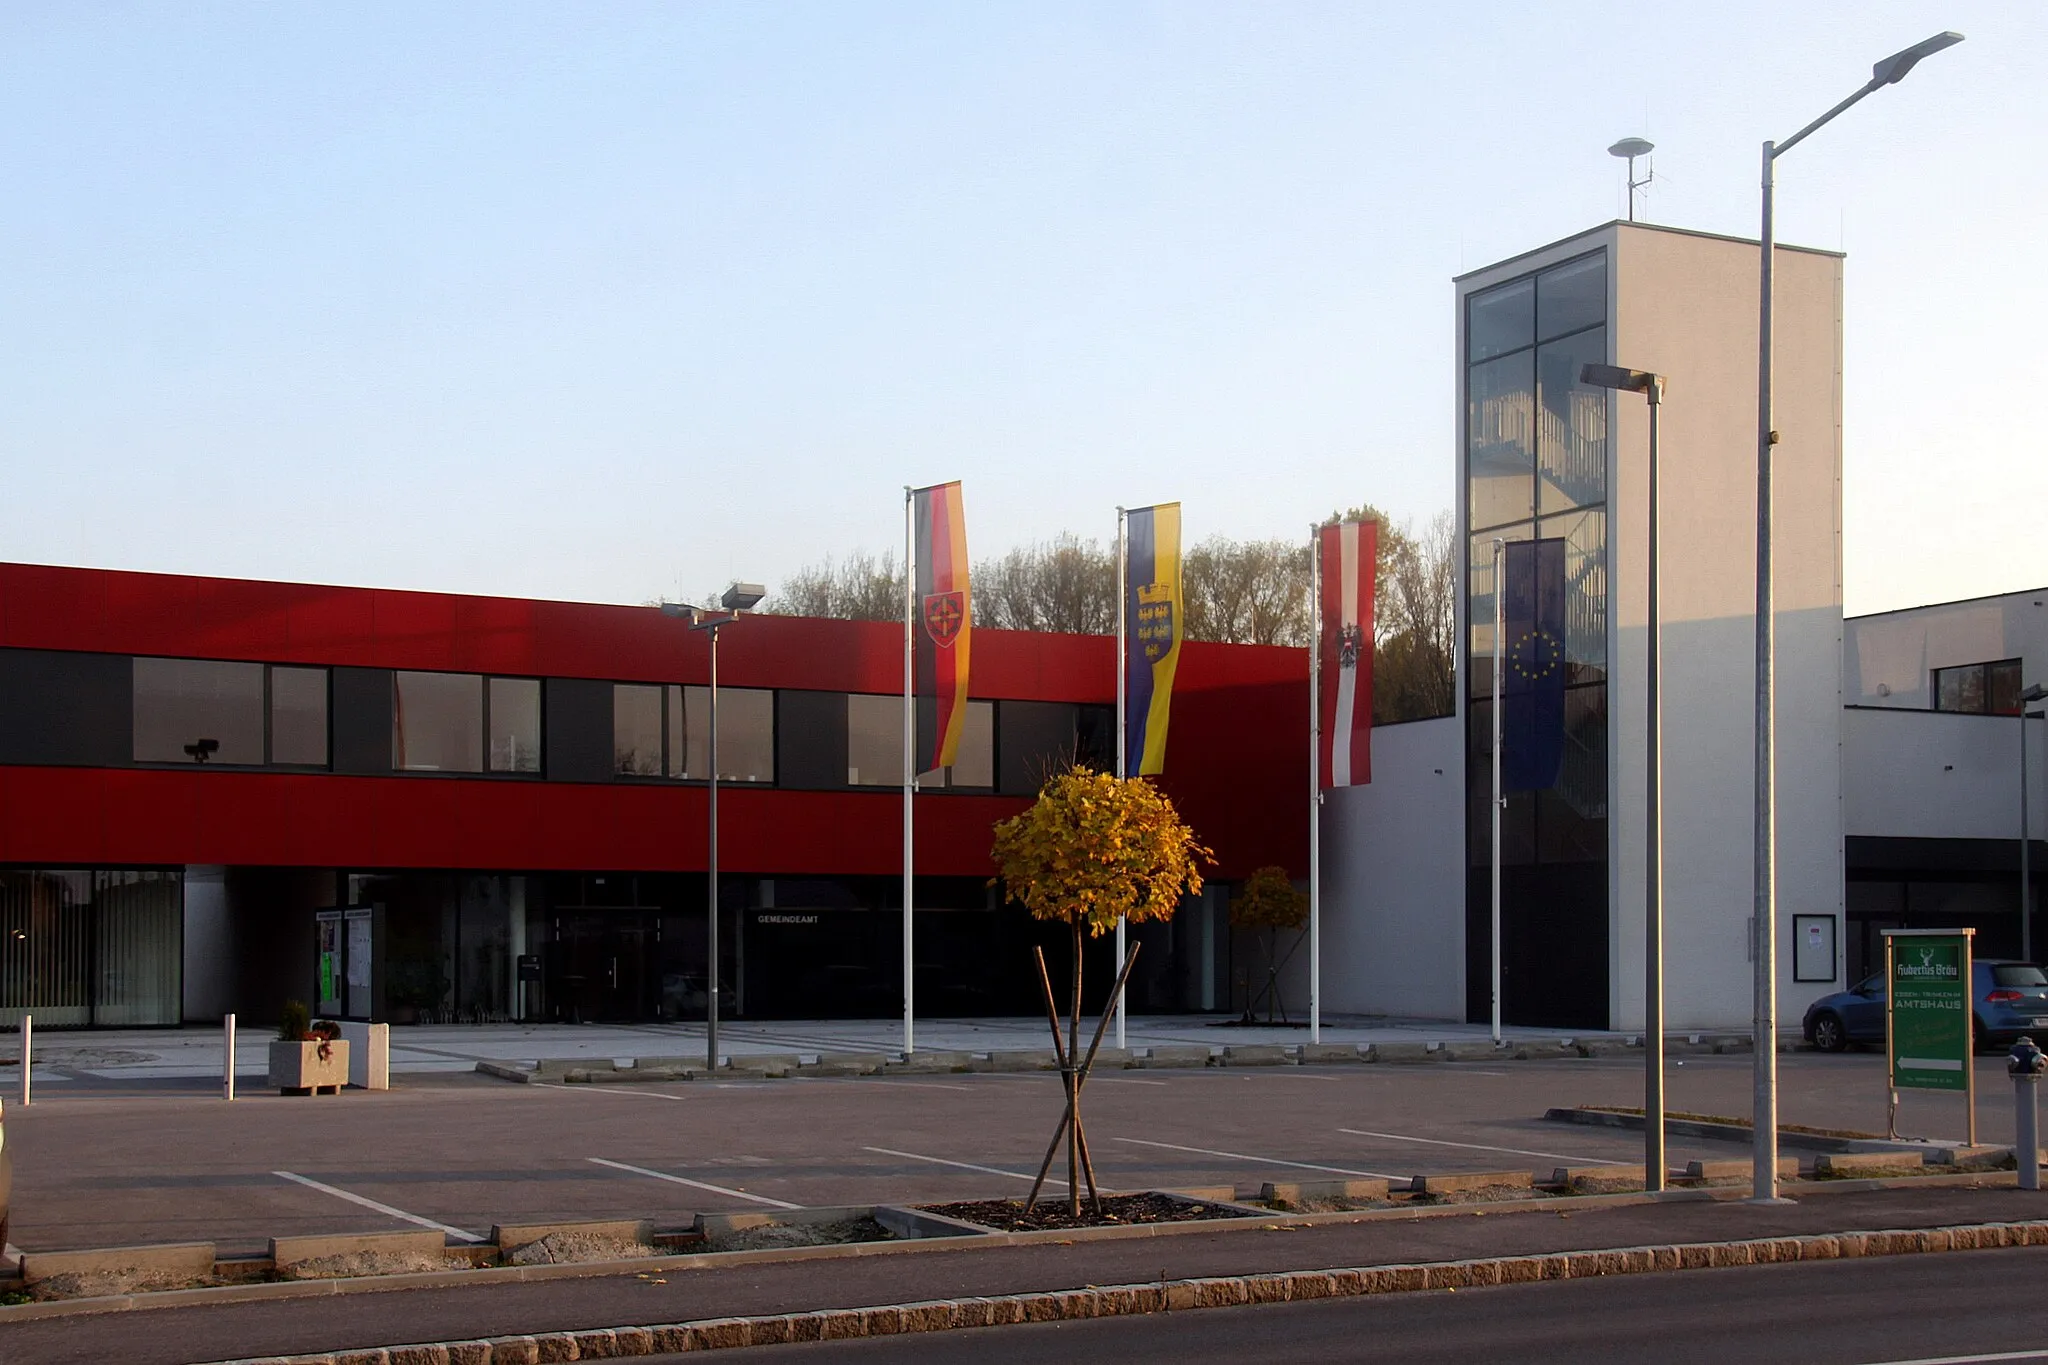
[
  {"x": 1033, "y": 740},
  {"x": 810, "y": 740},
  {"x": 576, "y": 730},
  {"x": 59, "y": 707},
  {"x": 362, "y": 720}
]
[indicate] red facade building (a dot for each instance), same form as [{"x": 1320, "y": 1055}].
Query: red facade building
[{"x": 499, "y": 805}]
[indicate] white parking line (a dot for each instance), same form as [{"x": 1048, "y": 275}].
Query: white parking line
[
  {"x": 693, "y": 1184},
  {"x": 1262, "y": 1160},
  {"x": 457, "y": 1233},
  {"x": 1971, "y": 1360},
  {"x": 1122, "y": 1080},
  {"x": 928, "y": 1085},
  {"x": 963, "y": 1165},
  {"x": 611, "y": 1090},
  {"x": 1483, "y": 1147}
]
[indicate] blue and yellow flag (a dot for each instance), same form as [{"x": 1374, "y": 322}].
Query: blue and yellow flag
[{"x": 1152, "y": 624}]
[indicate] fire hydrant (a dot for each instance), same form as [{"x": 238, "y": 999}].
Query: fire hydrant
[{"x": 2025, "y": 1063}]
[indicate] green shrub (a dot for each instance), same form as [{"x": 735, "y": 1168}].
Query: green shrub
[{"x": 291, "y": 1022}]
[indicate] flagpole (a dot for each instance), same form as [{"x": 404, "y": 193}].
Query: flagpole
[
  {"x": 1122, "y": 762},
  {"x": 1315, "y": 786},
  {"x": 909, "y": 747},
  {"x": 1499, "y": 801}
]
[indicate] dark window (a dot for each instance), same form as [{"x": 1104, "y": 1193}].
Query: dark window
[
  {"x": 1501, "y": 320},
  {"x": 437, "y": 722},
  {"x": 746, "y": 733},
  {"x": 1501, "y": 431},
  {"x": 1979, "y": 689},
  {"x": 874, "y": 741},
  {"x": 1571, "y": 433},
  {"x": 1537, "y": 448},
  {"x": 2017, "y": 974},
  {"x": 198, "y": 711},
  {"x": 515, "y": 725},
  {"x": 298, "y": 716},
  {"x": 636, "y": 729},
  {"x": 874, "y": 746},
  {"x": 664, "y": 730},
  {"x": 1571, "y": 296}
]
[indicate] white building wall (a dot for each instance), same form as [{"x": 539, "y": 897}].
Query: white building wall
[
  {"x": 1939, "y": 775},
  {"x": 1685, "y": 306},
  {"x": 1394, "y": 879},
  {"x": 1889, "y": 659}
]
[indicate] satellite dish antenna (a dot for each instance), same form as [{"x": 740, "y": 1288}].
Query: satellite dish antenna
[{"x": 1631, "y": 148}]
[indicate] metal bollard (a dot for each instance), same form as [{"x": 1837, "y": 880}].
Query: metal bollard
[
  {"x": 227, "y": 1078},
  {"x": 2025, "y": 1064},
  {"x": 28, "y": 1033}
]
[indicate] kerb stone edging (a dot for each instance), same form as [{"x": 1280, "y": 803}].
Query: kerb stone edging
[{"x": 1226, "y": 1291}]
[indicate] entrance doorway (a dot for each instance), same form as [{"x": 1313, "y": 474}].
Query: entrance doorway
[{"x": 598, "y": 965}]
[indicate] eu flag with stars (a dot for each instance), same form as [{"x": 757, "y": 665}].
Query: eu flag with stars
[{"x": 1533, "y": 665}]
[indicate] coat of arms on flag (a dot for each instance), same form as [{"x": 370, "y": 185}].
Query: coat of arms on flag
[
  {"x": 1347, "y": 559},
  {"x": 1350, "y": 642},
  {"x": 1154, "y": 626},
  {"x": 944, "y": 614}
]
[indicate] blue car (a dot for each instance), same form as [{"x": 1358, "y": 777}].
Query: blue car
[{"x": 2011, "y": 998}]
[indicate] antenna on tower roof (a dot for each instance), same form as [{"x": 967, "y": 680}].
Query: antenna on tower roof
[{"x": 1631, "y": 148}]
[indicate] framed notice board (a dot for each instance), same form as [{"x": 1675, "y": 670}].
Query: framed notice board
[{"x": 1813, "y": 948}]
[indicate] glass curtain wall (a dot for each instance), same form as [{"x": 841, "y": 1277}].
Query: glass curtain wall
[
  {"x": 79, "y": 948},
  {"x": 1536, "y": 465}
]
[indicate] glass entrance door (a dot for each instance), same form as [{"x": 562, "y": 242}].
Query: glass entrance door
[{"x": 599, "y": 966}]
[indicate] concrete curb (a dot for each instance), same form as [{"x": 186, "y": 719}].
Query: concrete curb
[
  {"x": 1225, "y": 1291},
  {"x": 1267, "y": 1220},
  {"x": 1941, "y": 1152}
]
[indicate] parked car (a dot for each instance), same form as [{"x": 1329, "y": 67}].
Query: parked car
[{"x": 2011, "y": 999}]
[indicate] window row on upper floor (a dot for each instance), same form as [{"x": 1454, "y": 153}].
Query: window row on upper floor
[{"x": 108, "y": 710}]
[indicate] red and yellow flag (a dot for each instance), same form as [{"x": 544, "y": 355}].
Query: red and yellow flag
[{"x": 943, "y": 630}]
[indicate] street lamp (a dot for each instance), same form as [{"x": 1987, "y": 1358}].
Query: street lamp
[
  {"x": 2034, "y": 693},
  {"x": 736, "y": 599},
  {"x": 1764, "y": 1101},
  {"x": 1651, "y": 386}
]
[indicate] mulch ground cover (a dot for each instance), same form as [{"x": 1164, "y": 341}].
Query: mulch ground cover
[{"x": 1118, "y": 1210}]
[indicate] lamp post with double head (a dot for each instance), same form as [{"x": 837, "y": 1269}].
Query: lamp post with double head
[
  {"x": 736, "y": 599},
  {"x": 1764, "y": 1099},
  {"x": 1651, "y": 386}
]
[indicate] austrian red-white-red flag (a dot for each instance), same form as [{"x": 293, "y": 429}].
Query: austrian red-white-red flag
[{"x": 1348, "y": 552}]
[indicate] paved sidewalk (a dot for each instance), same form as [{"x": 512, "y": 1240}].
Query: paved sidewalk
[
  {"x": 163, "y": 1336},
  {"x": 196, "y": 1052}
]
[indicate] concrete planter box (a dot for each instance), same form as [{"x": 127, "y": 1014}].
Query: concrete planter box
[{"x": 299, "y": 1069}]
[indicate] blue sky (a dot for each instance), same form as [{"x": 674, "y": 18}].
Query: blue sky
[{"x": 605, "y": 302}]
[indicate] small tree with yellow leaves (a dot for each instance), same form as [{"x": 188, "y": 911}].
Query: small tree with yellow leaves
[
  {"x": 1268, "y": 900},
  {"x": 1091, "y": 850}
]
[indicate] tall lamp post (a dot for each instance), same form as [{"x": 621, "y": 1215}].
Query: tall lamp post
[
  {"x": 736, "y": 599},
  {"x": 1651, "y": 386},
  {"x": 1764, "y": 1178},
  {"x": 2032, "y": 694}
]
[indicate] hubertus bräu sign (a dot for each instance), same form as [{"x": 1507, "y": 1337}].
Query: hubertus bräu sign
[{"x": 1928, "y": 974}]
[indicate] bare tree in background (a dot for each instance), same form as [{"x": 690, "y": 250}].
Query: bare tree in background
[
  {"x": 1251, "y": 592},
  {"x": 860, "y": 587},
  {"x": 1234, "y": 592},
  {"x": 1065, "y": 584}
]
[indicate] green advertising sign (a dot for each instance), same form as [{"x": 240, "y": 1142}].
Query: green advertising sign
[{"x": 1929, "y": 1011}]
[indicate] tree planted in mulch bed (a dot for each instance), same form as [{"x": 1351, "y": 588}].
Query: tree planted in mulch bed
[
  {"x": 1091, "y": 850},
  {"x": 1010, "y": 1215}
]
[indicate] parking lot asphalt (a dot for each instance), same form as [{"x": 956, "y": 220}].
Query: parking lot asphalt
[{"x": 171, "y": 1161}]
